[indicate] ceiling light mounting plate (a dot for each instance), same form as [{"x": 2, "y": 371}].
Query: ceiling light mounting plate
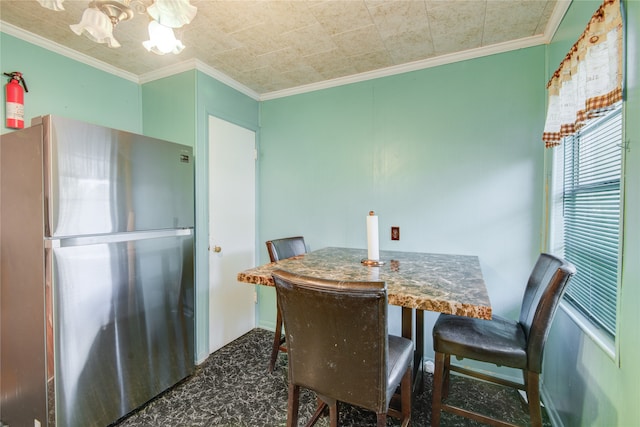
[{"x": 116, "y": 10}]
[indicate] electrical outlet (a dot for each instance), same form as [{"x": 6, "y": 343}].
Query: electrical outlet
[{"x": 395, "y": 233}]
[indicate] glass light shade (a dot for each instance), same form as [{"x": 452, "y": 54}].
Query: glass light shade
[
  {"x": 96, "y": 26},
  {"x": 172, "y": 13},
  {"x": 162, "y": 40},
  {"x": 52, "y": 4}
]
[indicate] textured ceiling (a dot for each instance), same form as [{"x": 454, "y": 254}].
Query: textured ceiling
[{"x": 270, "y": 46}]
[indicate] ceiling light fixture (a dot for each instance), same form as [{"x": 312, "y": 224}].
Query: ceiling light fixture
[
  {"x": 101, "y": 17},
  {"x": 162, "y": 40},
  {"x": 52, "y": 4}
]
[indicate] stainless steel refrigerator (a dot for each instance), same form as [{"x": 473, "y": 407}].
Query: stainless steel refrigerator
[{"x": 96, "y": 296}]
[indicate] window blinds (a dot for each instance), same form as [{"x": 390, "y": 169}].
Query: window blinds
[{"x": 591, "y": 212}]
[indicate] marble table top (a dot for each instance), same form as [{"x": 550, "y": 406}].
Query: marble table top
[{"x": 437, "y": 282}]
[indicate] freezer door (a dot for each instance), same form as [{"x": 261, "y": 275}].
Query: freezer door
[
  {"x": 123, "y": 325},
  {"x": 100, "y": 180}
]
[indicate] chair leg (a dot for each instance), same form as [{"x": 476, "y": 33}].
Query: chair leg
[
  {"x": 333, "y": 413},
  {"x": 316, "y": 415},
  {"x": 292, "y": 409},
  {"x": 438, "y": 374},
  {"x": 532, "y": 383},
  {"x": 406, "y": 396},
  {"x": 382, "y": 419},
  {"x": 277, "y": 340},
  {"x": 446, "y": 377}
]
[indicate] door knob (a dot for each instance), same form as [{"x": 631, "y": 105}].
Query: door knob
[{"x": 217, "y": 249}]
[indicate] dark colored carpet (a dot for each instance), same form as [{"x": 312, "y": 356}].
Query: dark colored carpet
[{"x": 233, "y": 388}]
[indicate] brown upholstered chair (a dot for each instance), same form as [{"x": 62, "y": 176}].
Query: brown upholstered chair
[
  {"x": 501, "y": 341},
  {"x": 338, "y": 346},
  {"x": 282, "y": 249}
]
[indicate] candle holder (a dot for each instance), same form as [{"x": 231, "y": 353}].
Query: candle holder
[{"x": 372, "y": 262}]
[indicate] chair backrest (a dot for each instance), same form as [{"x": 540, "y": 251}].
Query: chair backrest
[
  {"x": 286, "y": 248},
  {"x": 336, "y": 336},
  {"x": 546, "y": 285}
]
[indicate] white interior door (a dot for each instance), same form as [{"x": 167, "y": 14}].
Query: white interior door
[{"x": 232, "y": 165}]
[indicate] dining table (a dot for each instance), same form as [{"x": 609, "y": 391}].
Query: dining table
[{"x": 416, "y": 281}]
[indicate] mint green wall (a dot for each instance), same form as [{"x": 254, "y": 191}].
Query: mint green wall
[
  {"x": 452, "y": 155},
  {"x": 63, "y": 86},
  {"x": 169, "y": 108},
  {"x": 178, "y": 108},
  {"x": 582, "y": 385}
]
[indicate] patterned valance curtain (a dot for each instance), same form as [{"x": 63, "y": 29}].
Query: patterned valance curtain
[{"x": 589, "y": 79}]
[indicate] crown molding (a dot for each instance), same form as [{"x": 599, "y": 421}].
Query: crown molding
[
  {"x": 411, "y": 66},
  {"x": 168, "y": 71},
  {"x": 555, "y": 19},
  {"x": 191, "y": 64},
  {"x": 196, "y": 64},
  {"x": 223, "y": 78},
  {"x": 47, "y": 44}
]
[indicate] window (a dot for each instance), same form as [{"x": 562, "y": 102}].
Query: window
[{"x": 587, "y": 212}]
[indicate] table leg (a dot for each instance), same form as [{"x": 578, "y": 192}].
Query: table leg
[
  {"x": 418, "y": 357},
  {"x": 418, "y": 352}
]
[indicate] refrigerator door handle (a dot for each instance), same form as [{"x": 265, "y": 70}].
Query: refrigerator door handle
[{"x": 114, "y": 238}]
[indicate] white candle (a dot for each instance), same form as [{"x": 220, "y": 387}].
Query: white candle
[
  {"x": 373, "y": 249},
  {"x": 374, "y": 273}
]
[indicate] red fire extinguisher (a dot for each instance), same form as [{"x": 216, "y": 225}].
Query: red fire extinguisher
[{"x": 15, "y": 100}]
